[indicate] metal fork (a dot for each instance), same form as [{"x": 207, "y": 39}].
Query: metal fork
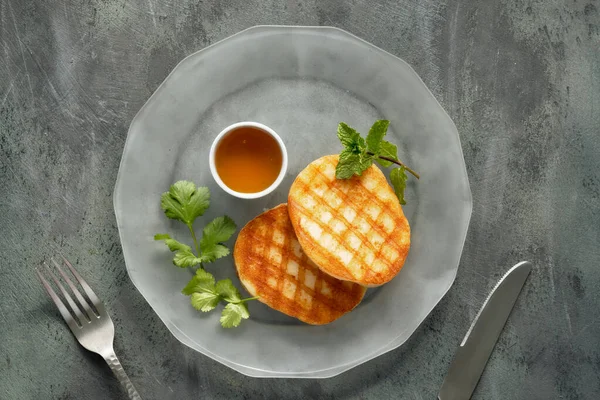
[{"x": 92, "y": 327}]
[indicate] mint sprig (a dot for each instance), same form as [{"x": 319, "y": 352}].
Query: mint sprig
[
  {"x": 185, "y": 202},
  {"x": 359, "y": 154},
  {"x": 398, "y": 178}
]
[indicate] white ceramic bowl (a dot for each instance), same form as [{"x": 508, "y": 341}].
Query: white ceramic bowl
[{"x": 264, "y": 128}]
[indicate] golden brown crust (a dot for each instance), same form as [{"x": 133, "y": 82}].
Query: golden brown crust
[
  {"x": 272, "y": 265},
  {"x": 353, "y": 229}
]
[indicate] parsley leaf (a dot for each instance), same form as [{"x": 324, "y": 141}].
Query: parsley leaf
[
  {"x": 233, "y": 313},
  {"x": 205, "y": 278},
  {"x": 218, "y": 230},
  {"x": 227, "y": 291},
  {"x": 185, "y": 202},
  {"x": 192, "y": 286},
  {"x": 205, "y": 301},
  {"x": 376, "y": 134},
  {"x": 206, "y": 295},
  {"x": 202, "y": 281},
  {"x": 185, "y": 259},
  {"x": 214, "y": 252},
  {"x": 173, "y": 244},
  {"x": 398, "y": 178},
  {"x": 203, "y": 291}
]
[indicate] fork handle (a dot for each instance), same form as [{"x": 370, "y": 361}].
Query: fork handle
[{"x": 117, "y": 369}]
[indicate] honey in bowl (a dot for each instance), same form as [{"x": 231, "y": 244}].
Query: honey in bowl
[{"x": 248, "y": 159}]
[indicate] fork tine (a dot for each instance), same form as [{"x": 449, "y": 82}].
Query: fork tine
[
  {"x": 58, "y": 302},
  {"x": 82, "y": 301},
  {"x": 88, "y": 290},
  {"x": 80, "y": 318}
]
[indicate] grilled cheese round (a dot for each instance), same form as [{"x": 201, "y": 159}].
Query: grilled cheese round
[
  {"x": 353, "y": 229},
  {"x": 272, "y": 265}
]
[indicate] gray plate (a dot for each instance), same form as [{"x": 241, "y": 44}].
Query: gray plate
[{"x": 300, "y": 81}]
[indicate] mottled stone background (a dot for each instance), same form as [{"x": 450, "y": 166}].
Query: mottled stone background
[{"x": 521, "y": 79}]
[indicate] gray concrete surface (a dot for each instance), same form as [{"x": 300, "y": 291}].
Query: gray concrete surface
[{"x": 521, "y": 79}]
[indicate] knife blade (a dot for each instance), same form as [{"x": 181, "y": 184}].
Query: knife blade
[{"x": 476, "y": 348}]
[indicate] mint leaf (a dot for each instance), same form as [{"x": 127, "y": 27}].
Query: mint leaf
[
  {"x": 351, "y": 139},
  {"x": 233, "y": 313},
  {"x": 227, "y": 291},
  {"x": 202, "y": 281},
  {"x": 398, "y": 178},
  {"x": 205, "y": 301},
  {"x": 351, "y": 164},
  {"x": 346, "y": 166},
  {"x": 185, "y": 202},
  {"x": 358, "y": 154},
  {"x": 185, "y": 258},
  {"x": 348, "y": 136},
  {"x": 360, "y": 146},
  {"x": 376, "y": 134},
  {"x": 387, "y": 149},
  {"x": 364, "y": 161},
  {"x": 173, "y": 244}
]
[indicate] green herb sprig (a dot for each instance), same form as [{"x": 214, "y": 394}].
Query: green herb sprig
[
  {"x": 360, "y": 153},
  {"x": 185, "y": 202}
]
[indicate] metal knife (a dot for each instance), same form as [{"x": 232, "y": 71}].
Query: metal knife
[{"x": 477, "y": 346}]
